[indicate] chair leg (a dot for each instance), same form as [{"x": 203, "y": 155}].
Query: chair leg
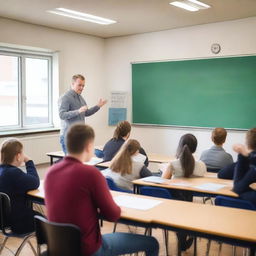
[
  {"x": 114, "y": 229},
  {"x": 195, "y": 246},
  {"x": 165, "y": 236},
  {"x": 208, "y": 247},
  {"x": 233, "y": 250},
  {"x": 32, "y": 248},
  {"x": 3, "y": 244},
  {"x": 25, "y": 240}
]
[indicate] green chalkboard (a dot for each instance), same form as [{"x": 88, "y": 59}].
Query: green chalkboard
[{"x": 217, "y": 92}]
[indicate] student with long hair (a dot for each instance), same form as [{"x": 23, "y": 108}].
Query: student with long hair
[
  {"x": 126, "y": 166},
  {"x": 245, "y": 168},
  {"x": 121, "y": 134},
  {"x": 16, "y": 183},
  {"x": 185, "y": 166}
]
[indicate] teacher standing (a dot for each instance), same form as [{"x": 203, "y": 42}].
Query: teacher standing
[{"x": 73, "y": 108}]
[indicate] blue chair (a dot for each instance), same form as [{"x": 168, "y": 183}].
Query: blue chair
[
  {"x": 98, "y": 153},
  {"x": 112, "y": 186},
  {"x": 160, "y": 193},
  {"x": 232, "y": 203},
  {"x": 155, "y": 192}
]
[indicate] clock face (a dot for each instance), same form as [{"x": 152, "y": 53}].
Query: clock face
[{"x": 215, "y": 48}]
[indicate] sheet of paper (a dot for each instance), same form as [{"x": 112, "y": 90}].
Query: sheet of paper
[
  {"x": 155, "y": 179},
  {"x": 136, "y": 202},
  {"x": 94, "y": 161},
  {"x": 210, "y": 186},
  {"x": 118, "y": 99}
]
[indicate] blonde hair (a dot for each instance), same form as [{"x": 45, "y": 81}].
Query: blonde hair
[
  {"x": 219, "y": 136},
  {"x": 122, "y": 162},
  {"x": 9, "y": 149},
  {"x": 74, "y": 77}
]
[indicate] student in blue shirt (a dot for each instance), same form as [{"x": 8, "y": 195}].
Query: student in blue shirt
[
  {"x": 15, "y": 183},
  {"x": 216, "y": 157},
  {"x": 121, "y": 134},
  {"x": 245, "y": 169}
]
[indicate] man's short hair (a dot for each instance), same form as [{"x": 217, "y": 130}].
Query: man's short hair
[
  {"x": 74, "y": 77},
  {"x": 78, "y": 137},
  {"x": 9, "y": 149},
  {"x": 251, "y": 139},
  {"x": 219, "y": 136}
]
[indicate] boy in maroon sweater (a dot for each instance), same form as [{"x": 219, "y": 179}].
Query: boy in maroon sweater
[{"x": 76, "y": 193}]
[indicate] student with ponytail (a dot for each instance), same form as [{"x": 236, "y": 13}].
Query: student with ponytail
[
  {"x": 185, "y": 165},
  {"x": 121, "y": 134},
  {"x": 126, "y": 166}
]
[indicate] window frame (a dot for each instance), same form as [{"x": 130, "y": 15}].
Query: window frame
[{"x": 22, "y": 55}]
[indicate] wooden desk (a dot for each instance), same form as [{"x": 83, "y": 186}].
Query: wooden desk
[
  {"x": 213, "y": 222},
  {"x": 188, "y": 184},
  {"x": 159, "y": 158}
]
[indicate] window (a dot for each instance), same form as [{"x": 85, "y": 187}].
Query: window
[{"x": 25, "y": 90}]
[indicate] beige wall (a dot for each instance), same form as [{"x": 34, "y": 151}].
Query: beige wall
[{"x": 106, "y": 65}]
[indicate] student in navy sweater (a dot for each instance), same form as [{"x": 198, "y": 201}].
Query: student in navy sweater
[
  {"x": 121, "y": 134},
  {"x": 15, "y": 183},
  {"x": 245, "y": 169},
  {"x": 77, "y": 193}
]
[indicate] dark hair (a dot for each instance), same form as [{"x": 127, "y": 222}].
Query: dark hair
[
  {"x": 219, "y": 136},
  {"x": 74, "y": 77},
  {"x": 251, "y": 139},
  {"x": 122, "y": 129},
  {"x": 78, "y": 136},
  {"x": 187, "y": 146},
  {"x": 9, "y": 149}
]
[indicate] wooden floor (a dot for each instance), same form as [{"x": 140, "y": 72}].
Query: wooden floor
[{"x": 13, "y": 243}]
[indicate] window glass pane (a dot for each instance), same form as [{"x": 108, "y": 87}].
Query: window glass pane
[
  {"x": 9, "y": 90},
  {"x": 36, "y": 100}
]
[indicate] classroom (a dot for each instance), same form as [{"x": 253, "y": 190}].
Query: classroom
[{"x": 145, "y": 32}]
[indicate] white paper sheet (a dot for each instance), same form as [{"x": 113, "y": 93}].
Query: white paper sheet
[
  {"x": 136, "y": 202},
  {"x": 155, "y": 179},
  {"x": 210, "y": 186},
  {"x": 94, "y": 161}
]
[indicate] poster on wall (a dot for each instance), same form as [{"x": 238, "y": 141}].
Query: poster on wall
[{"x": 118, "y": 107}]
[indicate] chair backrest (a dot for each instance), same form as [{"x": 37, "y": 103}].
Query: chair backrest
[
  {"x": 61, "y": 239},
  {"x": 5, "y": 210},
  {"x": 155, "y": 192},
  {"x": 112, "y": 186},
  {"x": 213, "y": 170},
  {"x": 234, "y": 203}
]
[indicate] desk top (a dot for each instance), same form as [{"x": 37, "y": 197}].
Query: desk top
[
  {"x": 203, "y": 218},
  {"x": 190, "y": 183}
]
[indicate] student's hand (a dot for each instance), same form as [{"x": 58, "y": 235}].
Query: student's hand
[
  {"x": 241, "y": 149},
  {"x": 26, "y": 158},
  {"x": 82, "y": 109},
  {"x": 101, "y": 103}
]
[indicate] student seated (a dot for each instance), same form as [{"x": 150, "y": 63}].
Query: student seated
[
  {"x": 16, "y": 183},
  {"x": 245, "y": 169},
  {"x": 121, "y": 134},
  {"x": 185, "y": 165},
  {"x": 127, "y": 165},
  {"x": 216, "y": 157},
  {"x": 77, "y": 193}
]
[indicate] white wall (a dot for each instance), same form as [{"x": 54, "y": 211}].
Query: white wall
[
  {"x": 77, "y": 53},
  {"x": 235, "y": 37}
]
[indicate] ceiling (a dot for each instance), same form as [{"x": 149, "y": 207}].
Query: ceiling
[{"x": 132, "y": 16}]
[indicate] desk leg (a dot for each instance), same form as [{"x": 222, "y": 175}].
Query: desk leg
[
  {"x": 195, "y": 246},
  {"x": 51, "y": 160}
]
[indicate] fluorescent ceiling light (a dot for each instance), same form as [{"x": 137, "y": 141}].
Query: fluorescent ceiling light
[
  {"x": 190, "y": 5},
  {"x": 81, "y": 16},
  {"x": 200, "y": 3},
  {"x": 184, "y": 6}
]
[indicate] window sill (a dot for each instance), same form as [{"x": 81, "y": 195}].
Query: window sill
[{"x": 28, "y": 131}]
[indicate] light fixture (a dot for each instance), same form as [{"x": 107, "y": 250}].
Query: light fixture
[
  {"x": 81, "y": 16},
  {"x": 190, "y": 5}
]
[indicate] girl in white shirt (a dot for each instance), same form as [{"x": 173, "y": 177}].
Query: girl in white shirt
[
  {"x": 185, "y": 164},
  {"x": 127, "y": 165}
]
